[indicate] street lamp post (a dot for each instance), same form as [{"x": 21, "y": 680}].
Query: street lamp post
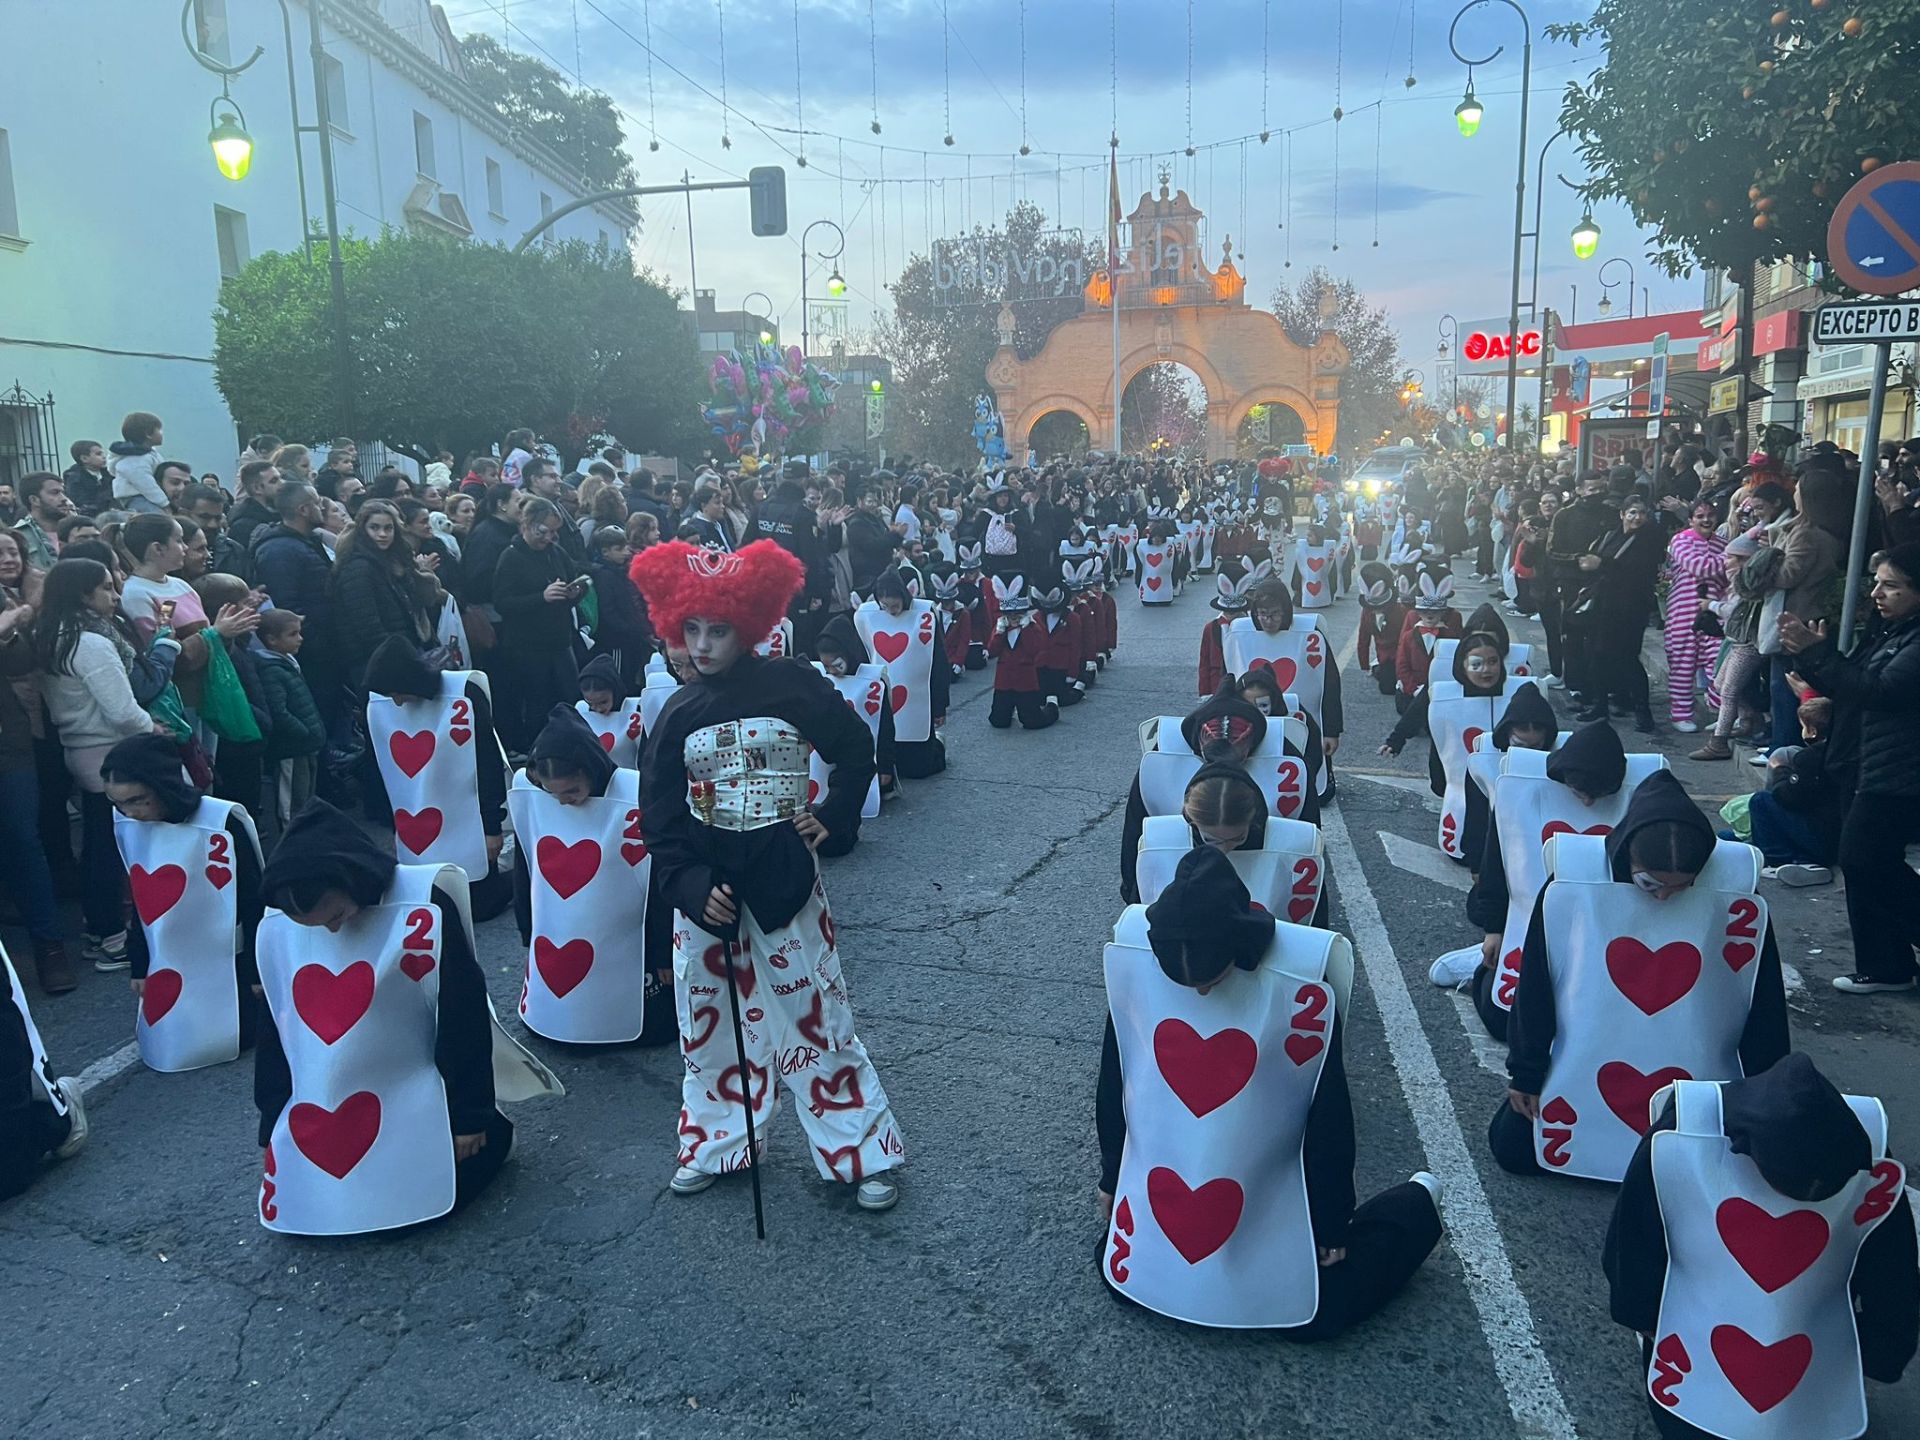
[
  {"x": 1449, "y": 341},
  {"x": 1520, "y": 180},
  {"x": 233, "y": 150},
  {"x": 1606, "y": 300},
  {"x": 766, "y": 324},
  {"x": 836, "y": 286}
]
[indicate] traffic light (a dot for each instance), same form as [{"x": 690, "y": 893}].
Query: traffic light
[{"x": 769, "y": 192}]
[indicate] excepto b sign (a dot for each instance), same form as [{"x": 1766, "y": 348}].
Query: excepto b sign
[{"x": 1866, "y": 324}]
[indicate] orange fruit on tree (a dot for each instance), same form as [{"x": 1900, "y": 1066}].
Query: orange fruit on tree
[
  {"x": 1869, "y": 165},
  {"x": 1754, "y": 192},
  {"x": 1780, "y": 19},
  {"x": 1760, "y": 222},
  {"x": 1852, "y": 28}
]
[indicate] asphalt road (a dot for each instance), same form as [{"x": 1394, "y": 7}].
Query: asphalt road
[{"x": 579, "y": 1298}]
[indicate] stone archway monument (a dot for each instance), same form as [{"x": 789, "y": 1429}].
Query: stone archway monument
[{"x": 1172, "y": 308}]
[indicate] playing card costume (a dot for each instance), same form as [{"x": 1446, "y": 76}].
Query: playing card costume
[
  {"x": 195, "y": 879},
  {"x": 725, "y": 775},
  {"x": 580, "y": 898},
  {"x": 1157, "y": 568},
  {"x": 1018, "y": 649},
  {"x": 1764, "y": 1240},
  {"x": 863, "y": 685},
  {"x": 1281, "y": 862},
  {"x": 40, "y": 1113},
  {"x": 909, "y": 644},
  {"x": 1622, "y": 992},
  {"x": 1301, "y": 659},
  {"x": 1535, "y": 797},
  {"x": 622, "y": 729},
  {"x": 1226, "y": 1129},
  {"x": 1455, "y": 713},
  {"x": 1312, "y": 570},
  {"x": 440, "y": 765},
  {"x": 379, "y": 1046}
]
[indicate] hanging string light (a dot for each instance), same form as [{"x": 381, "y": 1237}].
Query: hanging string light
[
  {"x": 1189, "y": 79},
  {"x": 873, "y": 62},
  {"x": 1266, "y": 7},
  {"x": 1378, "y": 110},
  {"x": 1242, "y": 232},
  {"x": 799, "y": 110},
  {"x": 1339, "y": 63},
  {"x": 726, "y": 139},
  {"x": 1025, "y": 148},
  {"x": 1413, "y": 30},
  {"x": 653, "y": 127},
  {"x": 946, "y": 70}
]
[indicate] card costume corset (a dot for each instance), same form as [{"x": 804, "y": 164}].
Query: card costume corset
[
  {"x": 1166, "y": 769},
  {"x": 1756, "y": 1338},
  {"x": 1156, "y": 572},
  {"x": 588, "y": 869},
  {"x": 1455, "y": 720},
  {"x": 865, "y": 690},
  {"x": 1210, "y": 1220},
  {"x": 1529, "y": 810},
  {"x": 186, "y": 890},
  {"x": 429, "y": 755},
  {"x": 1645, "y": 992},
  {"x": 620, "y": 732},
  {"x": 905, "y": 644},
  {"x": 1284, "y": 875},
  {"x": 747, "y": 774},
  {"x": 1297, "y": 657},
  {"x": 365, "y": 1141}
]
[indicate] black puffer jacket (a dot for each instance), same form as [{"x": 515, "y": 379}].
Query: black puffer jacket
[{"x": 1881, "y": 681}]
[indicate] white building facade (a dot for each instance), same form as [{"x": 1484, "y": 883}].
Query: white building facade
[{"x": 116, "y": 228}]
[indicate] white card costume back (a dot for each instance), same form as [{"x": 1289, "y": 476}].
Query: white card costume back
[
  {"x": 184, "y": 880},
  {"x": 1210, "y": 1221},
  {"x": 428, "y": 751},
  {"x": 1284, "y": 875},
  {"x": 1168, "y": 766},
  {"x": 1297, "y": 656},
  {"x": 1456, "y": 720},
  {"x": 619, "y": 732},
  {"x": 365, "y": 1142},
  {"x": 1646, "y": 992},
  {"x": 1156, "y": 571},
  {"x": 588, "y": 871},
  {"x": 1528, "y": 811},
  {"x": 660, "y": 687},
  {"x": 778, "y": 645},
  {"x": 1756, "y": 1336},
  {"x": 865, "y": 689},
  {"x": 905, "y": 645},
  {"x": 1315, "y": 566}
]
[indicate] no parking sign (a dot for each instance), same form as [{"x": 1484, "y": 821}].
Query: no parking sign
[{"x": 1873, "y": 241}]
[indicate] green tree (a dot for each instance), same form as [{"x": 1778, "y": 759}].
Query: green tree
[
  {"x": 578, "y": 124},
  {"x": 1731, "y": 129},
  {"x": 454, "y": 343},
  {"x": 1370, "y": 389},
  {"x": 941, "y": 340}
]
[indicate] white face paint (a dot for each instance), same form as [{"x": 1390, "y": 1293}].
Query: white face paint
[{"x": 712, "y": 645}]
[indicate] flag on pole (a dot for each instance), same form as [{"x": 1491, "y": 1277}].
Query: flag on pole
[{"x": 1113, "y": 214}]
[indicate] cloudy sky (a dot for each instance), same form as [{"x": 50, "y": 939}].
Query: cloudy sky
[{"x": 1440, "y": 207}]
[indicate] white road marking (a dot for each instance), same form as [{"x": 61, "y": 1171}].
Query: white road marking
[
  {"x": 108, "y": 1066},
  {"x": 1488, "y": 1053},
  {"x": 1411, "y": 784},
  {"x": 1424, "y": 861},
  {"x": 1533, "y": 1395}
]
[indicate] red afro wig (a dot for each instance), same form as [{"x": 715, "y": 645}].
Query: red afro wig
[{"x": 749, "y": 589}]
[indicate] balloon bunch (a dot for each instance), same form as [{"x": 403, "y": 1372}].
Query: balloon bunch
[
  {"x": 1275, "y": 467},
  {"x": 766, "y": 397}
]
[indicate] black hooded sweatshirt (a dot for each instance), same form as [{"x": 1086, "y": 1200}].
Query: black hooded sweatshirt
[
  {"x": 1799, "y": 1130},
  {"x": 1534, "y": 1022},
  {"x": 1592, "y": 762},
  {"x": 154, "y": 761},
  {"x": 322, "y": 849}
]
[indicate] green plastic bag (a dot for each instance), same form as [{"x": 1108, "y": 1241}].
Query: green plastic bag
[
  {"x": 223, "y": 700},
  {"x": 1734, "y": 812},
  {"x": 170, "y": 711}
]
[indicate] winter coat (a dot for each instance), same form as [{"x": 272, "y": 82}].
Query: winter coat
[
  {"x": 480, "y": 557},
  {"x": 134, "y": 485},
  {"x": 1811, "y": 560},
  {"x": 1881, "y": 682},
  {"x": 294, "y": 570},
  {"x": 294, "y": 724},
  {"x": 370, "y": 603},
  {"x": 530, "y": 623}
]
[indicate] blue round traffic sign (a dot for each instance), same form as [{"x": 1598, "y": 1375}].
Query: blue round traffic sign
[{"x": 1873, "y": 241}]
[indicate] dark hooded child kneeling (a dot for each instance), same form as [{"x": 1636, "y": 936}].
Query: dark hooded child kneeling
[{"x": 1261, "y": 1230}]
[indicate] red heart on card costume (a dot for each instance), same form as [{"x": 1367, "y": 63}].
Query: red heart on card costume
[
  {"x": 1558, "y": 1112},
  {"x": 1197, "y": 1222},
  {"x": 1153, "y": 582},
  {"x": 1763, "y": 1374},
  {"x": 1450, "y": 833},
  {"x": 1561, "y": 827},
  {"x": 562, "y": 966},
  {"x": 1302, "y": 1048},
  {"x": 1471, "y": 734},
  {"x": 337, "y": 1140},
  {"x": 1284, "y": 671},
  {"x": 567, "y": 868},
  {"x": 411, "y": 752},
  {"x": 157, "y": 997},
  {"x": 1628, "y": 1092},
  {"x": 418, "y": 829},
  {"x": 899, "y": 698},
  {"x": 607, "y": 737},
  {"x": 417, "y": 966},
  {"x": 717, "y": 961},
  {"x": 332, "y": 1004},
  {"x": 813, "y": 791},
  {"x": 157, "y": 891},
  {"x": 1316, "y": 563},
  {"x": 1652, "y": 979},
  {"x": 1204, "y": 1071},
  {"x": 839, "y": 1091},
  {"x": 890, "y": 647},
  {"x": 1300, "y": 907},
  {"x": 219, "y": 876},
  {"x": 1774, "y": 1249},
  {"x": 1738, "y": 954}
]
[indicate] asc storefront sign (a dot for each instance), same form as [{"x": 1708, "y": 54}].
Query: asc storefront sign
[{"x": 1867, "y": 323}]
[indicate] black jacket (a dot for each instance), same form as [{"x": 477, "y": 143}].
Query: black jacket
[
  {"x": 90, "y": 492},
  {"x": 370, "y": 603},
  {"x": 295, "y": 571},
  {"x": 480, "y": 556},
  {"x": 1880, "y": 683},
  {"x": 1576, "y": 529},
  {"x": 529, "y": 622},
  {"x": 248, "y": 516},
  {"x": 623, "y": 618},
  {"x": 791, "y": 526},
  {"x": 1629, "y": 569},
  {"x": 869, "y": 545}
]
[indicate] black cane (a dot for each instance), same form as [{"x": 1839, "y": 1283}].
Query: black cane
[{"x": 746, "y": 1090}]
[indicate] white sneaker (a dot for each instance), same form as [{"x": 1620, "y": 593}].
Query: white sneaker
[
  {"x": 689, "y": 1181},
  {"x": 1866, "y": 985},
  {"x": 1554, "y": 682},
  {"x": 1431, "y": 1183},
  {"x": 69, "y": 1088},
  {"x": 1759, "y": 757},
  {"x": 880, "y": 1194},
  {"x": 1798, "y": 876},
  {"x": 1686, "y": 727},
  {"x": 1456, "y": 967}
]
